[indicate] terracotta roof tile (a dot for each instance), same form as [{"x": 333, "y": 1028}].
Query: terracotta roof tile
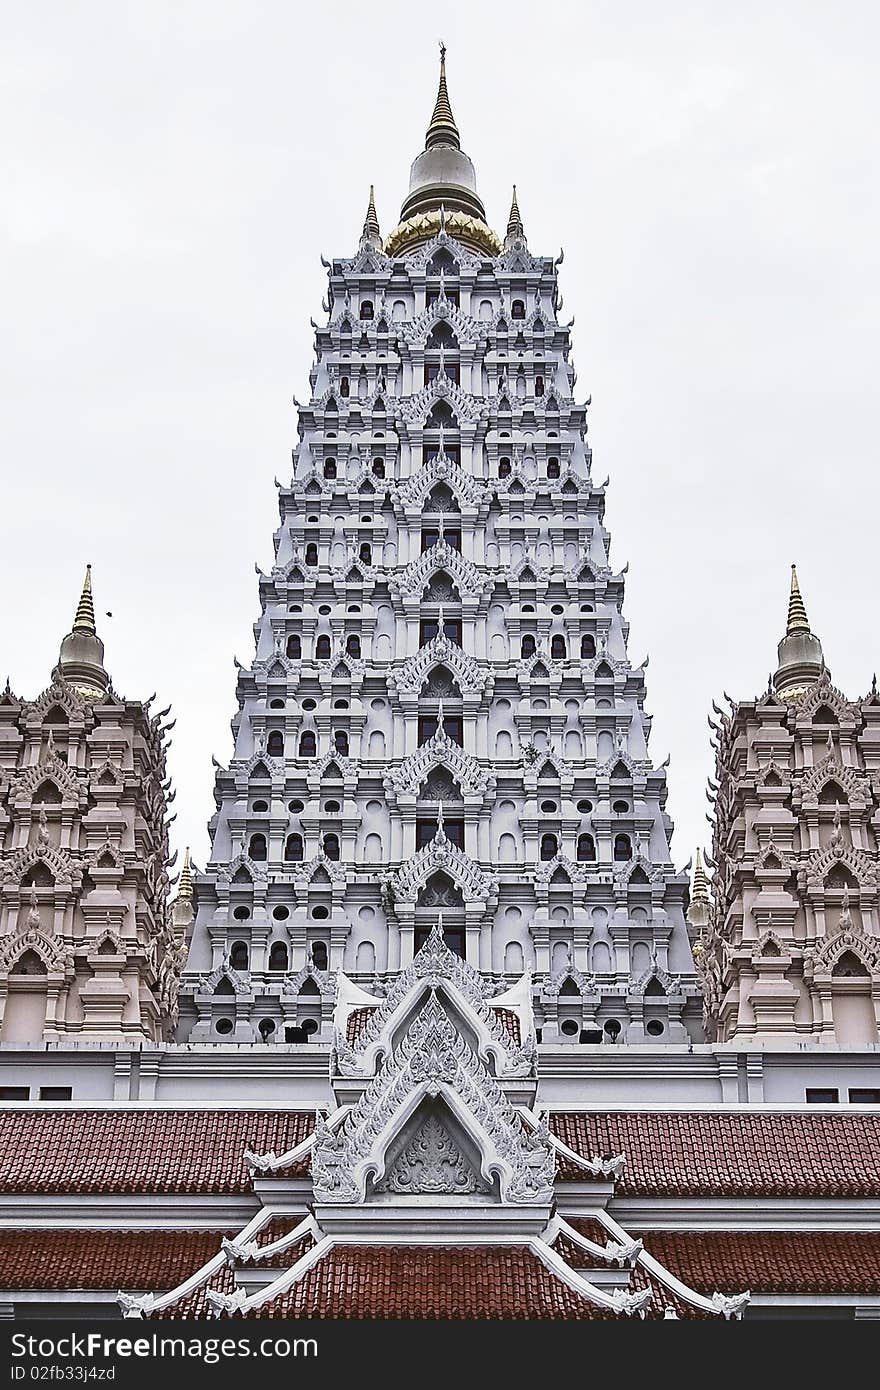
[
  {"x": 429, "y": 1282},
  {"x": 140, "y": 1151},
  {"x": 509, "y": 1020},
  {"x": 814, "y": 1262},
  {"x": 357, "y": 1021},
  {"x": 734, "y": 1153},
  {"x": 136, "y": 1260}
]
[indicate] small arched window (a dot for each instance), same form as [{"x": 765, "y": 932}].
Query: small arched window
[
  {"x": 586, "y": 849},
  {"x": 366, "y": 552},
  {"x": 307, "y": 744},
  {"x": 257, "y": 848},
  {"x": 378, "y": 468},
  {"x": 329, "y": 468},
  {"x": 344, "y": 387},
  {"x": 588, "y": 645},
  {"x": 294, "y": 646},
  {"x": 353, "y": 645},
  {"x": 549, "y": 846},
  {"x": 275, "y": 745},
  {"x": 527, "y": 647},
  {"x": 293, "y": 848},
  {"x": 340, "y": 741},
  {"x": 319, "y": 955},
  {"x": 517, "y": 309},
  {"x": 553, "y": 468},
  {"x": 622, "y": 848},
  {"x": 366, "y": 308},
  {"x": 557, "y": 647},
  {"x": 238, "y": 956},
  {"x": 322, "y": 648},
  {"x": 539, "y": 386},
  {"x": 278, "y": 956},
  {"x": 311, "y": 553},
  {"x": 331, "y": 846},
  {"x": 504, "y": 468}
]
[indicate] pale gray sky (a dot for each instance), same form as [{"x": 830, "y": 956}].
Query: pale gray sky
[{"x": 171, "y": 173}]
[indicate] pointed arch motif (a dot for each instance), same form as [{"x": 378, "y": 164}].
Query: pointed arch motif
[
  {"x": 416, "y": 331},
  {"x": 440, "y": 750},
  {"x": 441, "y": 855},
  {"x": 822, "y": 959},
  {"x": 546, "y": 870},
  {"x": 229, "y": 873},
  {"x": 467, "y": 409},
  {"x": 49, "y": 769},
  {"x": 58, "y": 693},
  {"x": 57, "y": 959},
  {"x": 862, "y": 868},
  {"x": 414, "y": 490},
  {"x": 432, "y": 1060},
  {"x": 58, "y": 862},
  {"x": 333, "y": 868},
  {"x": 441, "y": 651},
  {"x": 468, "y": 579}
]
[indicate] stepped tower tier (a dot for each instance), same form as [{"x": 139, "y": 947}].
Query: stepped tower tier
[
  {"x": 791, "y": 950},
  {"x": 88, "y": 948},
  {"x": 441, "y": 715}
]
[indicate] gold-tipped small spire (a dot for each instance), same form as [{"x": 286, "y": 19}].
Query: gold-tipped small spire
[
  {"x": 701, "y": 883},
  {"x": 442, "y": 129},
  {"x": 515, "y": 226},
  {"x": 185, "y": 884},
  {"x": 797, "y": 613},
  {"x": 85, "y": 609},
  {"x": 371, "y": 221}
]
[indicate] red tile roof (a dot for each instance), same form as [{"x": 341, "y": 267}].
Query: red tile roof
[
  {"x": 429, "y": 1282},
  {"x": 814, "y": 1262},
  {"x": 509, "y": 1020},
  {"x": 135, "y": 1260},
  {"x": 357, "y": 1021},
  {"x": 737, "y": 1154},
  {"x": 675, "y": 1153},
  {"x": 365, "y": 1282},
  {"x": 141, "y": 1151}
]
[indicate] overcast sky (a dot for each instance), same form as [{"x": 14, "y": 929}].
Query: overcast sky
[{"x": 171, "y": 173}]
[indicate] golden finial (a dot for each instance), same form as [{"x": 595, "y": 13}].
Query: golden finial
[
  {"x": 371, "y": 221},
  {"x": 701, "y": 883},
  {"x": 797, "y": 613},
  {"x": 85, "y": 609},
  {"x": 442, "y": 130},
  {"x": 514, "y": 222},
  {"x": 185, "y": 884}
]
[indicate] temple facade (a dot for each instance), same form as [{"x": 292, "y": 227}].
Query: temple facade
[
  {"x": 791, "y": 950},
  {"x": 87, "y": 946},
  {"x": 455, "y": 1039},
  {"x": 441, "y": 716}
]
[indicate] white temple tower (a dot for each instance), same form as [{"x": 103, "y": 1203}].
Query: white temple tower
[{"x": 441, "y": 716}]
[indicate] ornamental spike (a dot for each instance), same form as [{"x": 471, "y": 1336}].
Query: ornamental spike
[{"x": 442, "y": 129}]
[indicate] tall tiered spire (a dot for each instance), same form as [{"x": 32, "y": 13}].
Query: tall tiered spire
[
  {"x": 797, "y": 613},
  {"x": 185, "y": 884},
  {"x": 700, "y": 890},
  {"x": 371, "y": 234},
  {"x": 81, "y": 659},
  {"x": 442, "y": 129},
  {"x": 443, "y": 187},
  {"x": 84, "y": 620},
  {"x": 515, "y": 228},
  {"x": 800, "y": 652}
]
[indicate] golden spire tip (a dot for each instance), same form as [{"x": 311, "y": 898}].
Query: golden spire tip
[
  {"x": 85, "y": 609},
  {"x": 515, "y": 226},
  {"x": 442, "y": 129},
  {"x": 797, "y": 613}
]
